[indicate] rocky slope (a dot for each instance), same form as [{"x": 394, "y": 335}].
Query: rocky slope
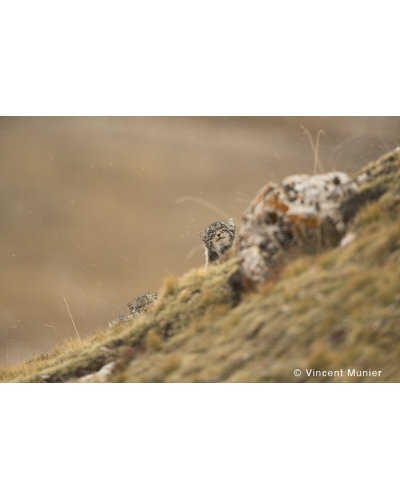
[{"x": 310, "y": 293}]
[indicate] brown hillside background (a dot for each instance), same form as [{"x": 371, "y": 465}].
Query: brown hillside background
[{"x": 88, "y": 206}]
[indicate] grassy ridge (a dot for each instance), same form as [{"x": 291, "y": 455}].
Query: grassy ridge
[{"x": 335, "y": 309}]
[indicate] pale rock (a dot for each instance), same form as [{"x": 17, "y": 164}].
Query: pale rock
[
  {"x": 101, "y": 376},
  {"x": 285, "y": 215},
  {"x": 347, "y": 239}
]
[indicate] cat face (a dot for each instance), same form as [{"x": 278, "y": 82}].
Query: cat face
[{"x": 219, "y": 235}]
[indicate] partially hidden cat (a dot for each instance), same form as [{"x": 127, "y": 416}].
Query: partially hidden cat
[{"x": 218, "y": 237}]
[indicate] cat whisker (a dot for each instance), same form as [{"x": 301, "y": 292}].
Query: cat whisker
[
  {"x": 202, "y": 202},
  {"x": 193, "y": 250}
]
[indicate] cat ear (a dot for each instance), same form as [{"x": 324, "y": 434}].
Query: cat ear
[
  {"x": 203, "y": 234},
  {"x": 230, "y": 223}
]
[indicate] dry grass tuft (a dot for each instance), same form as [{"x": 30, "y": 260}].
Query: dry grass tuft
[
  {"x": 296, "y": 268},
  {"x": 170, "y": 286},
  {"x": 154, "y": 342},
  {"x": 64, "y": 301},
  {"x": 317, "y": 161},
  {"x": 370, "y": 213}
]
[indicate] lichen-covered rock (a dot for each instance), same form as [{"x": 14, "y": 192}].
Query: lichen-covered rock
[
  {"x": 137, "y": 307},
  {"x": 124, "y": 318},
  {"x": 139, "y": 304},
  {"x": 302, "y": 208}
]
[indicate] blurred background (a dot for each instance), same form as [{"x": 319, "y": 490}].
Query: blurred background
[{"x": 100, "y": 210}]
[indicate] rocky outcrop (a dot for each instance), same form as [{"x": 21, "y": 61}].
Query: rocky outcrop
[
  {"x": 137, "y": 307},
  {"x": 304, "y": 210},
  {"x": 301, "y": 209}
]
